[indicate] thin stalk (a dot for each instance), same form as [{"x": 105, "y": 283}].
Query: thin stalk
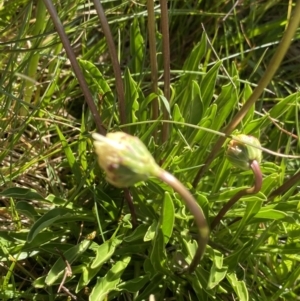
[
  {"x": 71, "y": 55},
  {"x": 153, "y": 60},
  {"x": 114, "y": 60},
  {"x": 166, "y": 60},
  {"x": 130, "y": 204},
  {"x": 196, "y": 211},
  {"x": 262, "y": 84},
  {"x": 252, "y": 190}
]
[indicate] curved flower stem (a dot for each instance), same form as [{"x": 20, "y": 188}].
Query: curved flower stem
[
  {"x": 196, "y": 212},
  {"x": 252, "y": 190}
]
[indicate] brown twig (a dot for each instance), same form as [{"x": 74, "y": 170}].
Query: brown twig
[
  {"x": 285, "y": 186},
  {"x": 166, "y": 56},
  {"x": 130, "y": 204},
  {"x": 153, "y": 60},
  {"x": 252, "y": 190},
  {"x": 114, "y": 60},
  {"x": 71, "y": 55},
  {"x": 262, "y": 84}
]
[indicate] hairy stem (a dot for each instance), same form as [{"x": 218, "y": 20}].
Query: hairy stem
[
  {"x": 114, "y": 59},
  {"x": 262, "y": 84},
  {"x": 196, "y": 212},
  {"x": 71, "y": 55},
  {"x": 252, "y": 190}
]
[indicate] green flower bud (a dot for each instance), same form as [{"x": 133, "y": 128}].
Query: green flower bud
[
  {"x": 124, "y": 158},
  {"x": 241, "y": 154}
]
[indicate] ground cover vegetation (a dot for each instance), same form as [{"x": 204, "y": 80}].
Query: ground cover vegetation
[{"x": 177, "y": 75}]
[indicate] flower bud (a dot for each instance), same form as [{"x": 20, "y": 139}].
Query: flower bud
[
  {"x": 124, "y": 158},
  {"x": 241, "y": 154}
]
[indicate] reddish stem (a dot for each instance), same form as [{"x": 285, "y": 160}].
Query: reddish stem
[{"x": 252, "y": 190}]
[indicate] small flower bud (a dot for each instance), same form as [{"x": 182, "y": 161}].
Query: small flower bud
[
  {"x": 124, "y": 158},
  {"x": 241, "y": 154}
]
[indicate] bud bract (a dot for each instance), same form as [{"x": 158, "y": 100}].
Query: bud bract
[
  {"x": 124, "y": 158},
  {"x": 241, "y": 154}
]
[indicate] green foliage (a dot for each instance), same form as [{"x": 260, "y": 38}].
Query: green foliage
[{"x": 57, "y": 208}]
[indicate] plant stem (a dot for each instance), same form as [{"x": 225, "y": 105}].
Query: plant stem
[
  {"x": 196, "y": 211},
  {"x": 285, "y": 186},
  {"x": 114, "y": 60},
  {"x": 153, "y": 60},
  {"x": 252, "y": 190},
  {"x": 166, "y": 56},
  {"x": 129, "y": 201},
  {"x": 71, "y": 55},
  {"x": 262, "y": 84}
]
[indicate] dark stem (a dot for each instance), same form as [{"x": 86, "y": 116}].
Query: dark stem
[
  {"x": 196, "y": 211},
  {"x": 166, "y": 57},
  {"x": 153, "y": 60},
  {"x": 262, "y": 84},
  {"x": 71, "y": 55},
  {"x": 252, "y": 190},
  {"x": 129, "y": 201},
  {"x": 114, "y": 60},
  {"x": 285, "y": 186}
]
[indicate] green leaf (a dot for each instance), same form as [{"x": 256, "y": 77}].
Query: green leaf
[
  {"x": 131, "y": 97},
  {"x": 53, "y": 216},
  {"x": 207, "y": 85},
  {"x": 252, "y": 209},
  {"x": 87, "y": 274},
  {"x": 198, "y": 52},
  {"x": 135, "y": 284},
  {"x": 138, "y": 233},
  {"x": 22, "y": 193},
  {"x": 226, "y": 101},
  {"x": 158, "y": 252},
  {"x": 195, "y": 107},
  {"x": 27, "y": 209},
  {"x": 217, "y": 271},
  {"x": 137, "y": 47},
  {"x": 273, "y": 214},
  {"x": 282, "y": 106},
  {"x": 59, "y": 267},
  {"x": 152, "y": 288},
  {"x": 110, "y": 281},
  {"x": 95, "y": 79},
  {"x": 150, "y": 234},
  {"x": 167, "y": 217},
  {"x": 238, "y": 286},
  {"x": 105, "y": 251},
  {"x": 70, "y": 156},
  {"x": 246, "y": 94}
]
